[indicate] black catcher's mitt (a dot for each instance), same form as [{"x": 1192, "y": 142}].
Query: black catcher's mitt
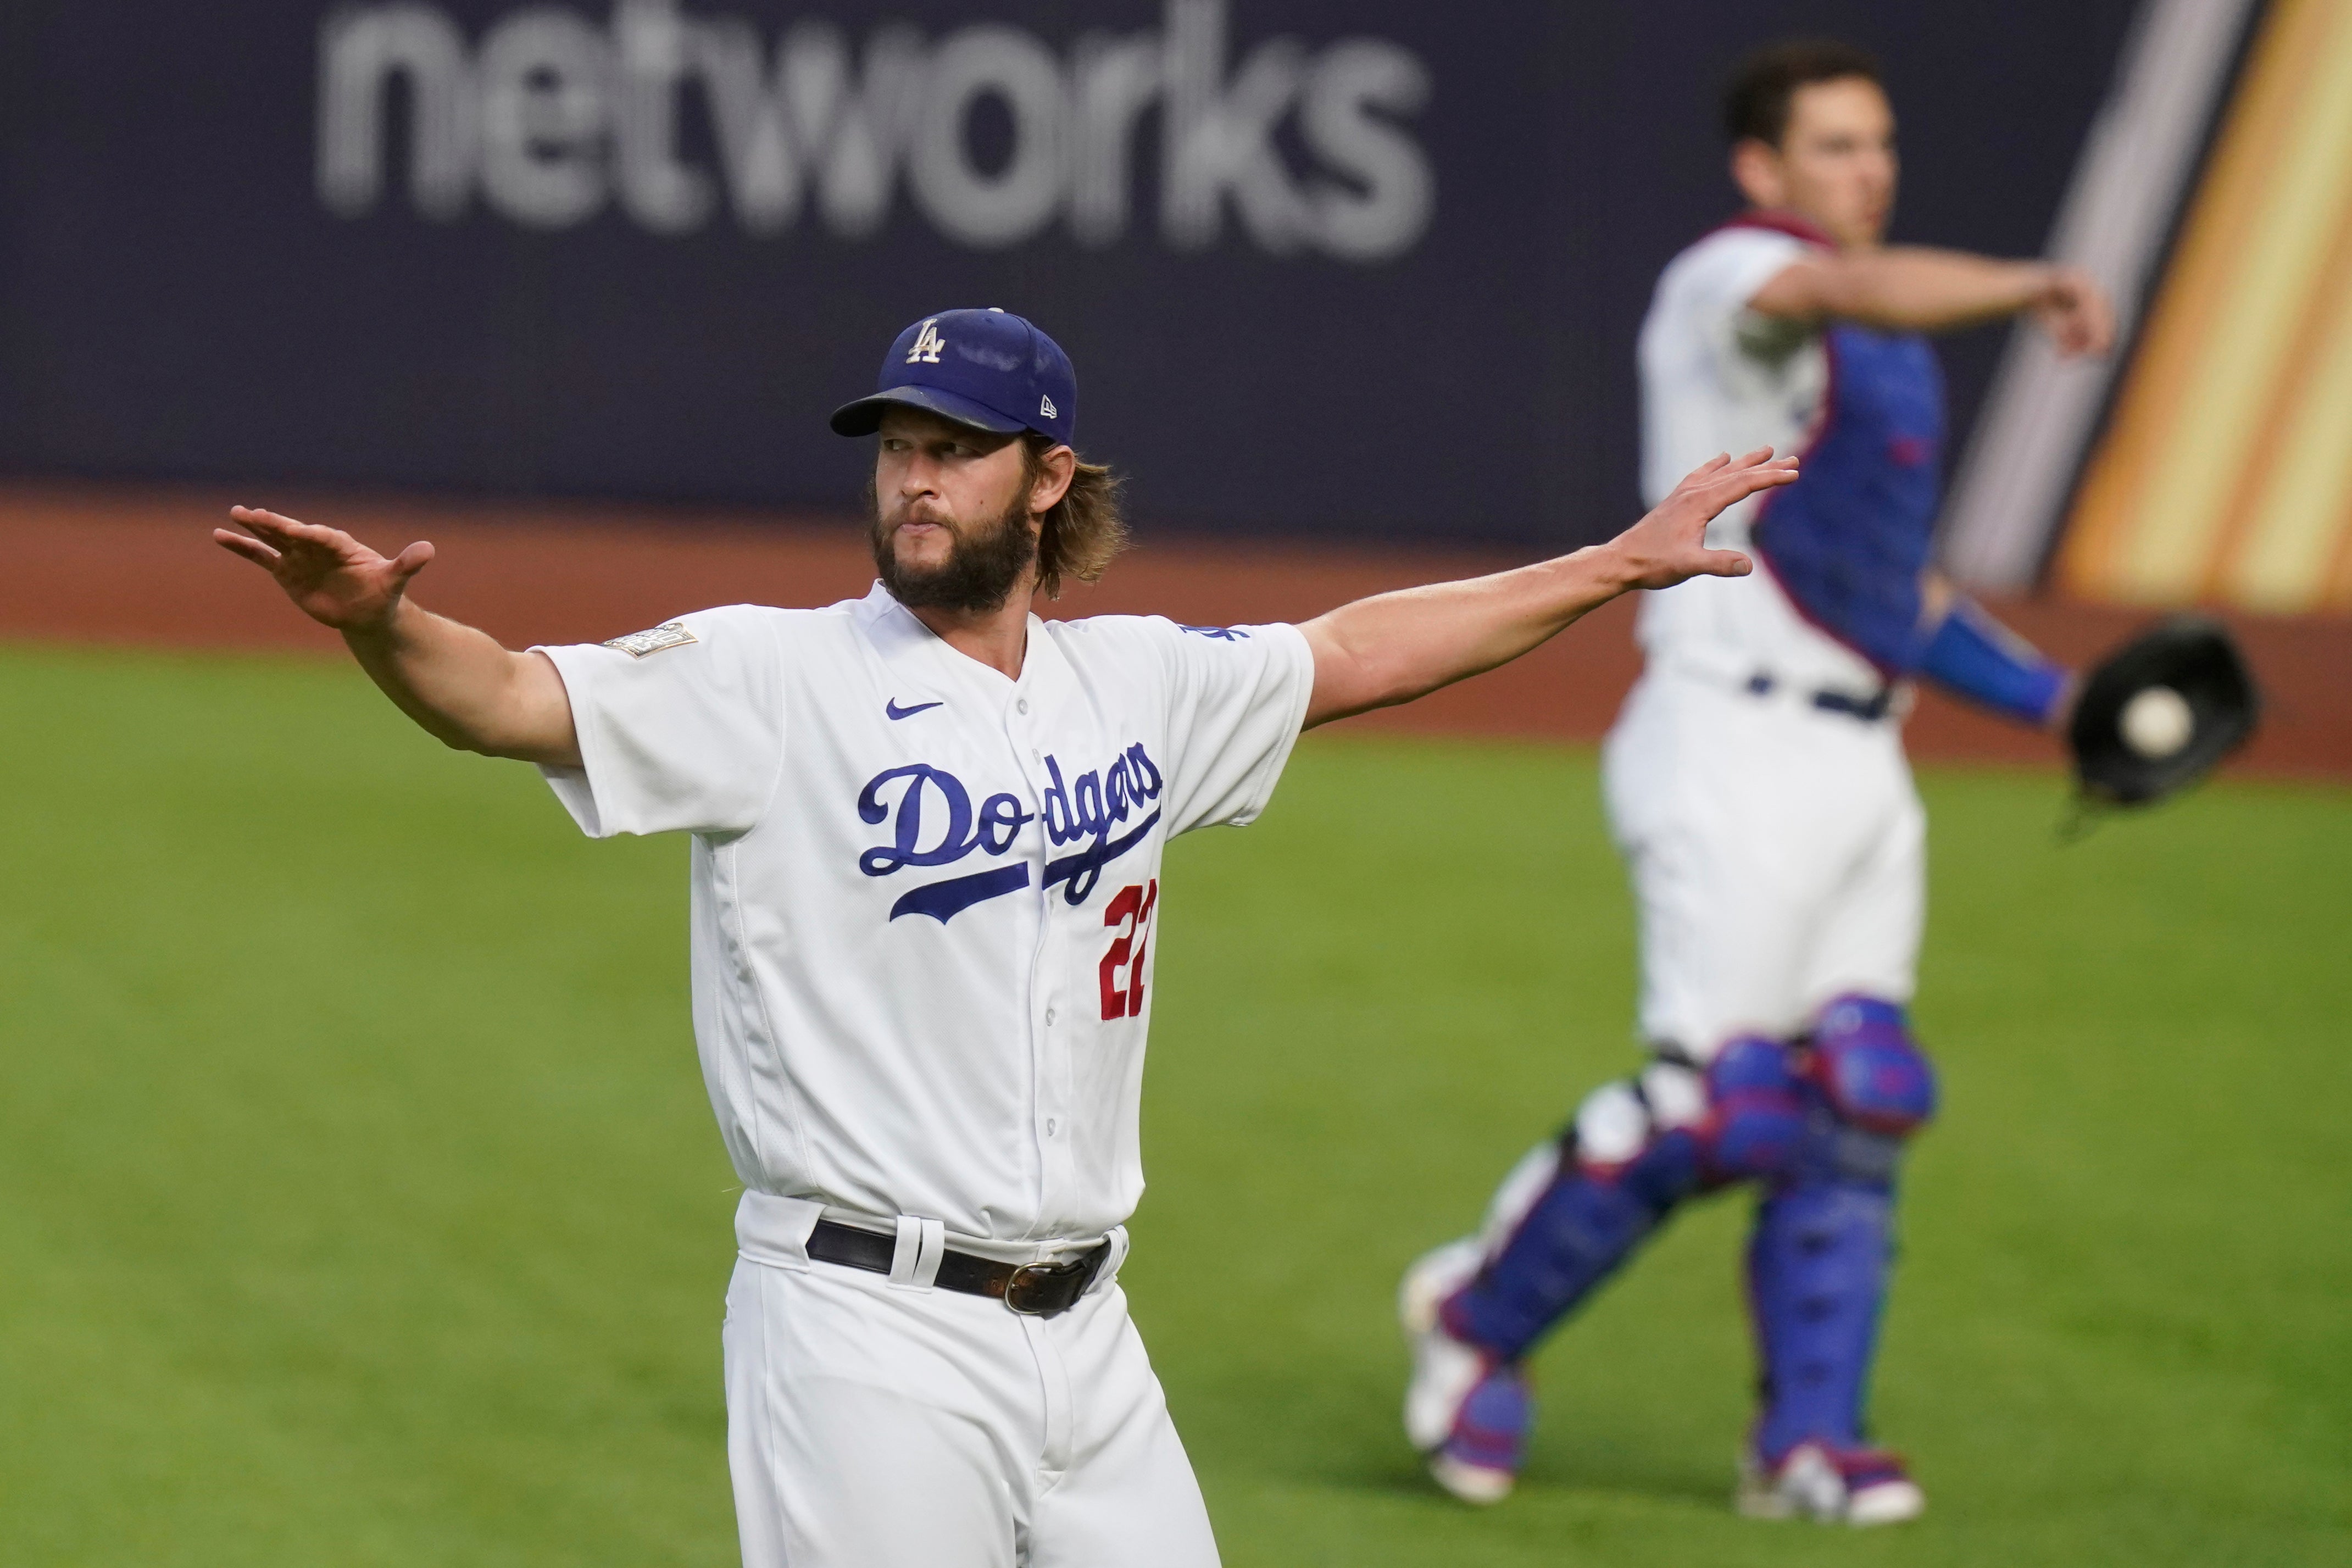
[{"x": 2158, "y": 712}]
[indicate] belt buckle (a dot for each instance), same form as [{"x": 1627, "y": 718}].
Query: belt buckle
[{"x": 1027, "y": 1289}]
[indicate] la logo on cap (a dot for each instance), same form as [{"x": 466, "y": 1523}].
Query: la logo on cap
[{"x": 928, "y": 344}]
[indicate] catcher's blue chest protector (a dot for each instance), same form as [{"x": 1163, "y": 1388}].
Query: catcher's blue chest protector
[{"x": 1850, "y": 539}]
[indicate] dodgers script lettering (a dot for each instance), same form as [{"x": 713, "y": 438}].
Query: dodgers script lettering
[{"x": 933, "y": 824}]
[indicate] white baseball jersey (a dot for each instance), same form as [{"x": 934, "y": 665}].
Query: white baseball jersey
[
  {"x": 1776, "y": 849},
  {"x": 923, "y": 895},
  {"x": 1718, "y": 376}
]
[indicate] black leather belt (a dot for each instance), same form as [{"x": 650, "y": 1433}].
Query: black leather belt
[
  {"x": 1869, "y": 709},
  {"x": 1031, "y": 1289}
]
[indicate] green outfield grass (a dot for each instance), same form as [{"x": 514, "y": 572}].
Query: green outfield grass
[{"x": 358, "y": 1203}]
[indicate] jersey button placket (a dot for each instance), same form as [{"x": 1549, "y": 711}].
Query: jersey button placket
[
  {"x": 1050, "y": 1074},
  {"x": 1045, "y": 1066}
]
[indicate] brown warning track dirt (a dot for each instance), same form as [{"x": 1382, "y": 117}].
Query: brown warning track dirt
[{"x": 132, "y": 565}]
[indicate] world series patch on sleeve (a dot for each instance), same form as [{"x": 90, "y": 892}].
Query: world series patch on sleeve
[{"x": 637, "y": 645}]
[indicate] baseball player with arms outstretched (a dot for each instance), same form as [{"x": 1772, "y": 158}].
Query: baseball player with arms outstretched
[
  {"x": 1756, "y": 785},
  {"x": 926, "y": 831}
]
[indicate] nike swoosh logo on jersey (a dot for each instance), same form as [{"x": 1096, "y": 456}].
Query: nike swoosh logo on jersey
[{"x": 895, "y": 711}]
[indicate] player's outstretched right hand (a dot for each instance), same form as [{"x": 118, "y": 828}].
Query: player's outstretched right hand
[
  {"x": 335, "y": 579},
  {"x": 2076, "y": 313}
]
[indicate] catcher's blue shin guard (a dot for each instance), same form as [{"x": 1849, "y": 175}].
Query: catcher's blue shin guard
[
  {"x": 1582, "y": 1226},
  {"x": 1634, "y": 1153},
  {"x": 1819, "y": 1260}
]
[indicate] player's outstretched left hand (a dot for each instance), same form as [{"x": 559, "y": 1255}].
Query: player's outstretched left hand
[
  {"x": 1669, "y": 545},
  {"x": 330, "y": 576}
]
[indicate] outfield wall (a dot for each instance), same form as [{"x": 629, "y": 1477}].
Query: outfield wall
[
  {"x": 1325, "y": 269},
  {"x": 114, "y": 565}
]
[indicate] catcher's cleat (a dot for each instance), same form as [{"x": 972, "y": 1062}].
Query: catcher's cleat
[
  {"x": 1467, "y": 1411},
  {"x": 1836, "y": 1486}
]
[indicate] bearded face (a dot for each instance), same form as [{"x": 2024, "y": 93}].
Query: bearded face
[{"x": 987, "y": 561}]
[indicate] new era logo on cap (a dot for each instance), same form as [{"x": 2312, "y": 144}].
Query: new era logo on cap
[{"x": 987, "y": 369}]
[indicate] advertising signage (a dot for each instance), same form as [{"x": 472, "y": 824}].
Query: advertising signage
[{"x": 1369, "y": 268}]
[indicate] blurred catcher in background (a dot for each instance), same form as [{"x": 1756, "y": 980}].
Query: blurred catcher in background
[{"x": 1758, "y": 787}]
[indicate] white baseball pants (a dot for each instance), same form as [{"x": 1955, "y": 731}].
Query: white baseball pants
[
  {"x": 877, "y": 1425},
  {"x": 1778, "y": 855}
]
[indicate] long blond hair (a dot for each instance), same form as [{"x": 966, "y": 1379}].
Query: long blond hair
[{"x": 1084, "y": 531}]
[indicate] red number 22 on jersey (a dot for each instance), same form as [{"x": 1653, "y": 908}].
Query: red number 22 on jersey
[{"x": 1122, "y": 967}]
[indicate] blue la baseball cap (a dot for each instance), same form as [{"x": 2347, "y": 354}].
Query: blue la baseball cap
[{"x": 988, "y": 369}]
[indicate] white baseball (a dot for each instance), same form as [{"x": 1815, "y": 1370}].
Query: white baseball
[{"x": 2158, "y": 721}]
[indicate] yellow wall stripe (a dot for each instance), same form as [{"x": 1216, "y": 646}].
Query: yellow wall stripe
[
  {"x": 2301, "y": 496},
  {"x": 2227, "y": 469},
  {"x": 2269, "y": 281},
  {"x": 2103, "y": 528},
  {"x": 2338, "y": 596}
]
